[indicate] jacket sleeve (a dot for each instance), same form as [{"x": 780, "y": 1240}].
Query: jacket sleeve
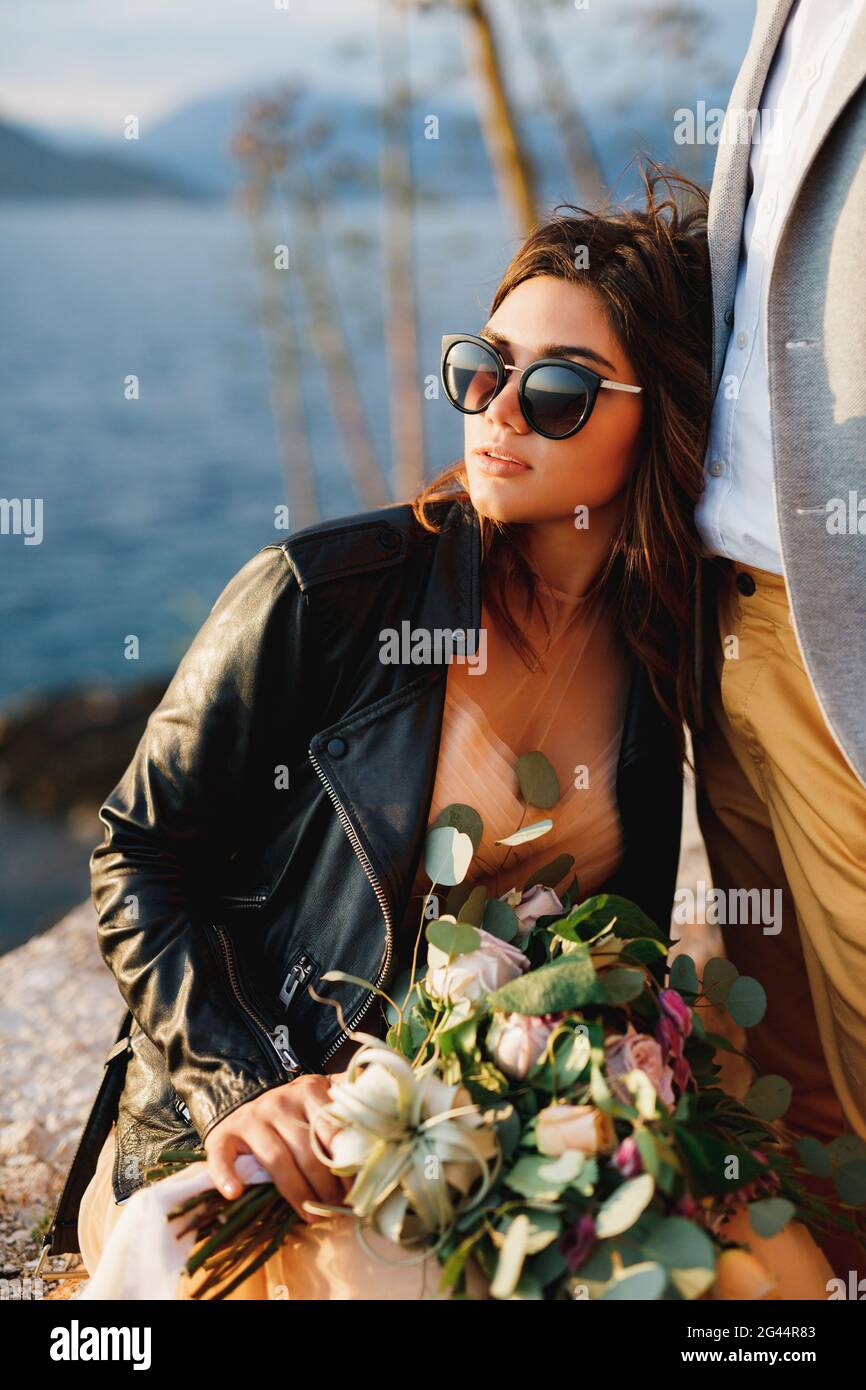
[{"x": 171, "y": 818}]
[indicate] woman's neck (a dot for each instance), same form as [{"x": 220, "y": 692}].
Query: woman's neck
[{"x": 569, "y": 557}]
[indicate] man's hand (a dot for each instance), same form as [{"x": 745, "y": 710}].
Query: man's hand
[{"x": 274, "y": 1127}]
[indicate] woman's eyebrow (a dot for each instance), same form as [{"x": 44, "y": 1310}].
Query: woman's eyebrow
[{"x": 550, "y": 349}]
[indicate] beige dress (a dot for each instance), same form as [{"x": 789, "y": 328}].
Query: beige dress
[{"x": 572, "y": 710}]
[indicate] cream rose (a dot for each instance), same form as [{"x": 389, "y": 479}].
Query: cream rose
[
  {"x": 517, "y": 1041},
  {"x": 471, "y": 976},
  {"x": 562, "y": 1127}
]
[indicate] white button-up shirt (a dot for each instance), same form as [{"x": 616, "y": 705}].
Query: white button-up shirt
[{"x": 736, "y": 515}]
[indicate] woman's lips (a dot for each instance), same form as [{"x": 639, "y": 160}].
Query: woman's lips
[{"x": 498, "y": 468}]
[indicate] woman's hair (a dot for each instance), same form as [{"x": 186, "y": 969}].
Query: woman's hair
[{"x": 650, "y": 270}]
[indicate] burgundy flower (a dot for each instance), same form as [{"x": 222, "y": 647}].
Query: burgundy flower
[
  {"x": 578, "y": 1241},
  {"x": 675, "y": 1008}
]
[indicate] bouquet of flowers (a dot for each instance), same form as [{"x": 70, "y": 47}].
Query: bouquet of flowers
[{"x": 545, "y": 1105}]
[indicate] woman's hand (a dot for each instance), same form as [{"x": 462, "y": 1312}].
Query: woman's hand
[{"x": 274, "y": 1127}]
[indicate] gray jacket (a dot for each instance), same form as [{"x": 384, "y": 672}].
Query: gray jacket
[{"x": 816, "y": 337}]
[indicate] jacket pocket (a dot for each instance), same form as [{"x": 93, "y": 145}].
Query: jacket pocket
[{"x": 151, "y": 1118}]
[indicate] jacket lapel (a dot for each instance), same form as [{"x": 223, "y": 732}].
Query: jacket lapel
[{"x": 729, "y": 192}]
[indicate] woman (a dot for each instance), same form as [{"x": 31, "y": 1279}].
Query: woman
[{"x": 273, "y": 817}]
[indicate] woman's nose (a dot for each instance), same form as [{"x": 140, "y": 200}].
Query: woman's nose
[{"x": 505, "y": 406}]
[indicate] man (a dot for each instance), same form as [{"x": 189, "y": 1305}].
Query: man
[{"x": 781, "y": 759}]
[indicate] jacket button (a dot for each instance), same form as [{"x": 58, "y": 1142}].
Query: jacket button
[
  {"x": 729, "y": 317},
  {"x": 336, "y": 747},
  {"x": 389, "y": 539},
  {"x": 745, "y": 583}
]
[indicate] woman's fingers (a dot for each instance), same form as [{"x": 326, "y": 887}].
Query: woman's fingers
[
  {"x": 221, "y": 1153},
  {"x": 280, "y": 1159}
]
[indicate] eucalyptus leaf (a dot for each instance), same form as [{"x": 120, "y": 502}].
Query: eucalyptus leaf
[
  {"x": 527, "y": 833},
  {"x": 719, "y": 974},
  {"x": 769, "y": 1098},
  {"x": 769, "y": 1215},
  {"x": 645, "y": 1282},
  {"x": 680, "y": 1244},
  {"x": 814, "y": 1156},
  {"x": 542, "y": 1178},
  {"x": 447, "y": 855},
  {"x": 472, "y": 910},
  {"x": 550, "y": 874},
  {"x": 746, "y": 1001},
  {"x": 622, "y": 1208},
  {"x": 511, "y": 1258},
  {"x": 683, "y": 976},
  {"x": 850, "y": 1181},
  {"x": 500, "y": 919},
  {"x": 463, "y": 818},
  {"x": 539, "y": 784},
  {"x": 454, "y": 938}
]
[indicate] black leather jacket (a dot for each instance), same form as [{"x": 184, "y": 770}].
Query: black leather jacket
[{"x": 271, "y": 821}]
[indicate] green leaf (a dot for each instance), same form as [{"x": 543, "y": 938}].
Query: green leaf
[
  {"x": 623, "y": 1207},
  {"x": 684, "y": 977},
  {"x": 769, "y": 1215},
  {"x": 500, "y": 919},
  {"x": 550, "y": 874},
  {"x": 814, "y": 1156},
  {"x": 472, "y": 910},
  {"x": 454, "y": 938},
  {"x": 539, "y": 784},
  {"x": 528, "y": 832},
  {"x": 447, "y": 855},
  {"x": 511, "y": 1258},
  {"x": 746, "y": 1001},
  {"x": 542, "y": 1178},
  {"x": 608, "y": 909},
  {"x": 719, "y": 974},
  {"x": 568, "y": 982},
  {"x": 847, "y": 1148},
  {"x": 463, "y": 818},
  {"x": 645, "y": 1282},
  {"x": 769, "y": 1098},
  {"x": 620, "y": 985},
  {"x": 850, "y": 1182},
  {"x": 680, "y": 1244}
]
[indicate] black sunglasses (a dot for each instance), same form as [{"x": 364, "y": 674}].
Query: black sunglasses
[{"x": 556, "y": 395}]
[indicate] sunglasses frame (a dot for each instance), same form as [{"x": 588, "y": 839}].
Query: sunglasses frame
[{"x": 590, "y": 379}]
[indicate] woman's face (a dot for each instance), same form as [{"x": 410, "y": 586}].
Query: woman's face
[{"x": 592, "y": 467}]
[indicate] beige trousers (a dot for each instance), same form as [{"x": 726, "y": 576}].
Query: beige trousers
[{"x": 781, "y": 809}]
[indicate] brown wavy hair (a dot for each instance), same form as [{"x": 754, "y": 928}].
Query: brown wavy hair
[{"x": 650, "y": 269}]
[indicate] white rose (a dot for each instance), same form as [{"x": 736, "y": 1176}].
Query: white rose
[{"x": 471, "y": 976}]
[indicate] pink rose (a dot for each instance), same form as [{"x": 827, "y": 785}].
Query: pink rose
[
  {"x": 517, "y": 1041},
  {"x": 676, "y": 1008},
  {"x": 633, "y": 1051},
  {"x": 627, "y": 1158},
  {"x": 535, "y": 902}
]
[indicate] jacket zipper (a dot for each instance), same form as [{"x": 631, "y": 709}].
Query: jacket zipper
[
  {"x": 245, "y": 899},
  {"x": 380, "y": 894},
  {"x": 288, "y": 1060},
  {"x": 298, "y": 975}
]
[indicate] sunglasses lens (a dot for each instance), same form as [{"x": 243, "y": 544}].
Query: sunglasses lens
[
  {"x": 555, "y": 399},
  {"x": 470, "y": 376}
]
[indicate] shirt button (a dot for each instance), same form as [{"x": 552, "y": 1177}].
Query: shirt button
[
  {"x": 717, "y": 467},
  {"x": 336, "y": 747},
  {"x": 742, "y": 340},
  {"x": 745, "y": 583}
]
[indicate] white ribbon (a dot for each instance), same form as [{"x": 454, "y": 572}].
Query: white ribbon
[{"x": 143, "y": 1258}]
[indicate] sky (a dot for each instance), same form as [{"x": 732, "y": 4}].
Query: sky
[{"x": 80, "y": 66}]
